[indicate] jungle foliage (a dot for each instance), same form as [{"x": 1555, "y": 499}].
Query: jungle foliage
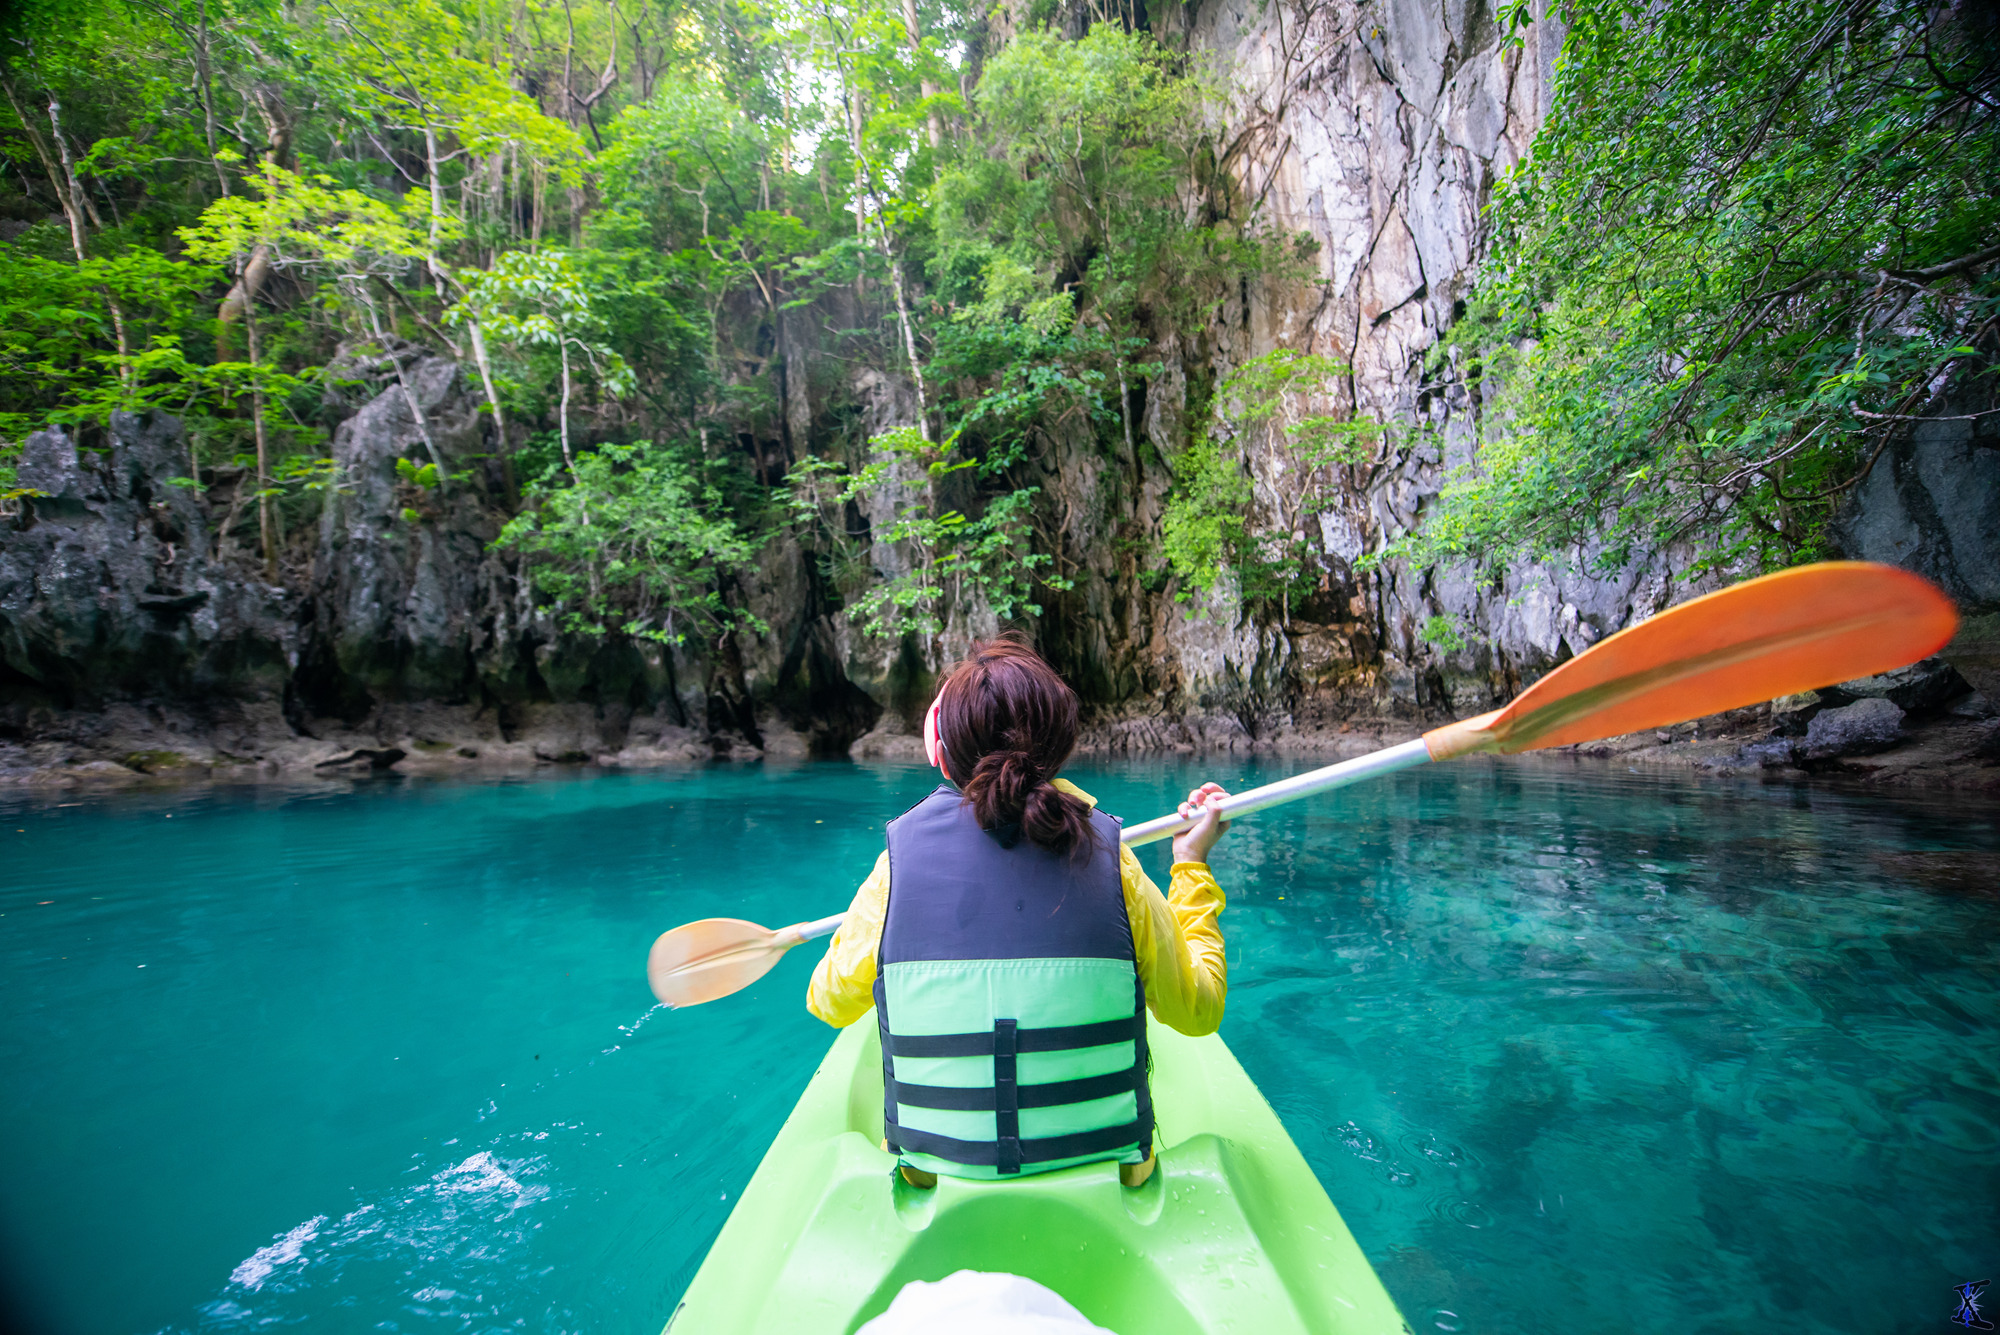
[
  {"x": 667, "y": 238},
  {"x": 656, "y": 233},
  {"x": 1755, "y": 243}
]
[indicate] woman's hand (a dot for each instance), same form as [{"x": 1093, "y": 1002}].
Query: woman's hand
[{"x": 1193, "y": 845}]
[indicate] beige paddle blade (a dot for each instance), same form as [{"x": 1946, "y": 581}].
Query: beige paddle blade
[
  {"x": 1797, "y": 630},
  {"x": 712, "y": 958}
]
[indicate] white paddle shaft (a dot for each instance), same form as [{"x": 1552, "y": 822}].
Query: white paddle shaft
[
  {"x": 1395, "y": 758},
  {"x": 812, "y": 931},
  {"x": 1406, "y": 756}
]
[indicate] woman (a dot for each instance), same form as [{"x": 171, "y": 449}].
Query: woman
[{"x": 1010, "y": 945}]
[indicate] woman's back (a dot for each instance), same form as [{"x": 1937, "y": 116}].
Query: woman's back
[
  {"x": 1011, "y": 946},
  {"x": 1012, "y": 1016}
]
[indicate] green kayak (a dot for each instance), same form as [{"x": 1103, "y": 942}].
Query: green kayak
[{"x": 1232, "y": 1233}]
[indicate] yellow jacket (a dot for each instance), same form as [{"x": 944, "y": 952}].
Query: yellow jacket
[{"x": 1174, "y": 940}]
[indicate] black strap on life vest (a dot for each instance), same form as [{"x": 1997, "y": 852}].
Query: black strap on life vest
[
  {"x": 1055, "y": 1038},
  {"x": 1050, "y": 1095},
  {"x": 988, "y": 1153},
  {"x": 1008, "y": 1096}
]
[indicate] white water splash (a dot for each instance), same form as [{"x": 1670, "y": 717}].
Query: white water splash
[
  {"x": 630, "y": 1029},
  {"x": 432, "y": 1236},
  {"x": 483, "y": 1175},
  {"x": 257, "y": 1267}
]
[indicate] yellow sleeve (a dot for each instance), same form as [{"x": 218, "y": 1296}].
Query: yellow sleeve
[
  {"x": 843, "y": 983},
  {"x": 1177, "y": 945}
]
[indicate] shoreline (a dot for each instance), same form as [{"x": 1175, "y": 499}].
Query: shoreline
[{"x": 1947, "y": 753}]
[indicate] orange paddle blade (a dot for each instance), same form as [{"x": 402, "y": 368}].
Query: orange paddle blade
[
  {"x": 1797, "y": 630},
  {"x": 712, "y": 958}
]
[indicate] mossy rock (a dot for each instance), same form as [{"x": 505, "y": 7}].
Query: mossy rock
[{"x": 152, "y": 762}]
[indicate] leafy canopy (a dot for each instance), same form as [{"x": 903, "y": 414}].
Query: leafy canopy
[{"x": 1754, "y": 242}]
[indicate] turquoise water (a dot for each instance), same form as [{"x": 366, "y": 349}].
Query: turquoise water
[{"x": 1573, "y": 1049}]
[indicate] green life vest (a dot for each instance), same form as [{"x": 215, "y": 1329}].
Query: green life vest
[{"x": 1012, "y": 1016}]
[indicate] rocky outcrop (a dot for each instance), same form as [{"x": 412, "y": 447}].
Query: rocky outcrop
[
  {"x": 110, "y": 588},
  {"x": 1931, "y": 504},
  {"x": 1379, "y": 131},
  {"x": 1863, "y": 728},
  {"x": 407, "y": 601},
  {"x": 138, "y": 637}
]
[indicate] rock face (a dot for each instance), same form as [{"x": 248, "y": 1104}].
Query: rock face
[
  {"x": 1379, "y": 130},
  {"x": 1925, "y": 685},
  {"x": 134, "y": 639},
  {"x": 402, "y": 608},
  {"x": 109, "y": 587},
  {"x": 1932, "y": 504}
]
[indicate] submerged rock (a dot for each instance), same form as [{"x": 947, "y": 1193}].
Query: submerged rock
[{"x": 1862, "y": 728}]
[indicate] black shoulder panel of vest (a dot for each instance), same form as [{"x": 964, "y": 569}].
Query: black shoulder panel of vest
[{"x": 955, "y": 893}]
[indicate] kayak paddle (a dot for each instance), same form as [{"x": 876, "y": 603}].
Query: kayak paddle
[
  {"x": 1797, "y": 630},
  {"x": 716, "y": 956}
]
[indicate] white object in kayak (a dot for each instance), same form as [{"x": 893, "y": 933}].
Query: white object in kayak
[{"x": 976, "y": 1302}]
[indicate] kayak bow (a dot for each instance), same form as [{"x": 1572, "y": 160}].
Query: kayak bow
[{"x": 1232, "y": 1233}]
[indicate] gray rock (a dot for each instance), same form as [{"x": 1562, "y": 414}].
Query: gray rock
[
  {"x": 1772, "y": 753},
  {"x": 399, "y": 603},
  {"x": 1974, "y": 706},
  {"x": 1975, "y": 652},
  {"x": 1925, "y": 685},
  {"x": 110, "y": 589},
  {"x": 1790, "y": 714},
  {"x": 1932, "y": 505},
  {"x": 1859, "y": 729}
]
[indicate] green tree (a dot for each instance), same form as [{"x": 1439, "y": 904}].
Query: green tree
[
  {"x": 631, "y": 542},
  {"x": 1212, "y": 523},
  {"x": 343, "y": 236},
  {"x": 953, "y": 558},
  {"x": 1073, "y": 213},
  {"x": 539, "y": 300},
  {"x": 1754, "y": 245}
]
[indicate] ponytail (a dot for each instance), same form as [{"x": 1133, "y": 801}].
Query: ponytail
[{"x": 1005, "y": 714}]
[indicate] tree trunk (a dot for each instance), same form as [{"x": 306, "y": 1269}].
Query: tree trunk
[
  {"x": 266, "y": 535},
  {"x": 500, "y": 443},
  {"x": 257, "y": 270},
  {"x": 73, "y": 207},
  {"x": 206, "y": 84},
  {"x": 569, "y": 460},
  {"x": 909, "y": 333},
  {"x": 563, "y": 416},
  {"x": 925, "y": 86},
  {"x": 431, "y": 260},
  {"x": 1125, "y": 405},
  {"x": 55, "y": 174},
  {"x": 864, "y": 184},
  {"x": 409, "y": 397}
]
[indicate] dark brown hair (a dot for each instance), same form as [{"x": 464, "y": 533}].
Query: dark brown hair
[{"x": 1007, "y": 723}]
